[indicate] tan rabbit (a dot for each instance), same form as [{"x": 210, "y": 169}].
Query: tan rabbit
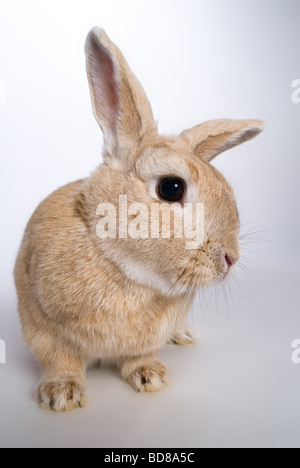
[{"x": 83, "y": 297}]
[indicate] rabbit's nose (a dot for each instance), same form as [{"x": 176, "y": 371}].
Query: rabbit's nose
[{"x": 230, "y": 260}]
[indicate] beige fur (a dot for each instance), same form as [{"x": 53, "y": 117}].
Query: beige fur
[{"x": 82, "y": 298}]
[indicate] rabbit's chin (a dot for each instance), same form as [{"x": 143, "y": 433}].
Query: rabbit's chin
[{"x": 169, "y": 287}]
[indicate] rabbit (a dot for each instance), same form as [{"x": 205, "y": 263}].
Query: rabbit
[{"x": 84, "y": 297}]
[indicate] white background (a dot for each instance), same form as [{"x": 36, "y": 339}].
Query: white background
[{"x": 197, "y": 60}]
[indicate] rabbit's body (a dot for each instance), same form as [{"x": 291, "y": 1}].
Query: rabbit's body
[
  {"x": 73, "y": 293},
  {"x": 76, "y": 306},
  {"x": 85, "y": 296}
]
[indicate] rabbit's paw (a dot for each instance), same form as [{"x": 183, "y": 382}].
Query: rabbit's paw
[
  {"x": 61, "y": 394},
  {"x": 150, "y": 376},
  {"x": 184, "y": 336}
]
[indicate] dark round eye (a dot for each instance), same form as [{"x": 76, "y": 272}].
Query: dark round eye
[{"x": 171, "y": 189}]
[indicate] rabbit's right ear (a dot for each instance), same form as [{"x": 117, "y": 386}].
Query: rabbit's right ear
[{"x": 120, "y": 104}]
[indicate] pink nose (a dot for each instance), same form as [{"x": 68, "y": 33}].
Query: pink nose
[{"x": 230, "y": 260}]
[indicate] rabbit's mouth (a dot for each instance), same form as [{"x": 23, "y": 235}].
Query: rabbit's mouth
[{"x": 209, "y": 266}]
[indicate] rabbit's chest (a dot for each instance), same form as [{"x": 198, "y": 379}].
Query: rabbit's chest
[{"x": 126, "y": 329}]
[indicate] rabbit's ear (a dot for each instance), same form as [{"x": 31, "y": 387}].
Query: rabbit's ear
[
  {"x": 213, "y": 137},
  {"x": 120, "y": 104}
]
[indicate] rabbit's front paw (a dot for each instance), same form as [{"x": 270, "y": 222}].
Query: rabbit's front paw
[
  {"x": 184, "y": 336},
  {"x": 149, "y": 375},
  {"x": 61, "y": 394}
]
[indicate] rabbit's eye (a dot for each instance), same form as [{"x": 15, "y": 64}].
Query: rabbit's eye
[{"x": 171, "y": 189}]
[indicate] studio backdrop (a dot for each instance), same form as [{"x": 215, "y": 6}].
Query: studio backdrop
[{"x": 197, "y": 60}]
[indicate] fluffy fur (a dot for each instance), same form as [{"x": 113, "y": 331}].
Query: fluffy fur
[{"x": 83, "y": 298}]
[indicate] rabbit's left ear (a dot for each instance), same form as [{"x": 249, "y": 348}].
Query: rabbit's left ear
[{"x": 215, "y": 136}]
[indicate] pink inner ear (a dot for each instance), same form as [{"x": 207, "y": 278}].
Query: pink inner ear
[{"x": 105, "y": 85}]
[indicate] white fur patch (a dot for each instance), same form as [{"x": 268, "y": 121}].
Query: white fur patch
[{"x": 142, "y": 275}]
